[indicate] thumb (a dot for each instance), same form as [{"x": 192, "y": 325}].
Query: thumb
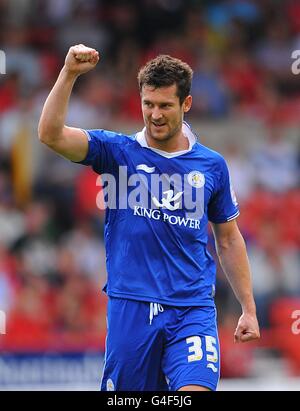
[
  {"x": 239, "y": 334},
  {"x": 243, "y": 335},
  {"x": 247, "y": 336}
]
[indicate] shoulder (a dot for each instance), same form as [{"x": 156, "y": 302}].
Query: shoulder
[
  {"x": 110, "y": 137},
  {"x": 212, "y": 156}
]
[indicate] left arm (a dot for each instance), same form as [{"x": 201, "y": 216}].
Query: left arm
[{"x": 231, "y": 250}]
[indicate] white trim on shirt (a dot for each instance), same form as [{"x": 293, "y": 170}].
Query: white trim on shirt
[{"x": 141, "y": 139}]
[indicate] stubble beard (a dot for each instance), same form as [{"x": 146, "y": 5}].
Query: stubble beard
[{"x": 168, "y": 136}]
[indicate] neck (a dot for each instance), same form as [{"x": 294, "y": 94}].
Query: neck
[{"x": 178, "y": 142}]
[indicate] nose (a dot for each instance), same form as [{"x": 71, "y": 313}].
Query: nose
[{"x": 156, "y": 114}]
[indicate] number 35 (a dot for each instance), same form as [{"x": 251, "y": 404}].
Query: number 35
[{"x": 196, "y": 348}]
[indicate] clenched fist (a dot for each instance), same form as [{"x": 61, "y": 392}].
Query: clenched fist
[
  {"x": 247, "y": 328},
  {"x": 81, "y": 59}
]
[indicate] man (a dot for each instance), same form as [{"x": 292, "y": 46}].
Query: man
[{"x": 161, "y": 314}]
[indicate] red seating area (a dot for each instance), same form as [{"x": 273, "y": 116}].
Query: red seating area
[
  {"x": 285, "y": 331},
  {"x": 281, "y": 209}
]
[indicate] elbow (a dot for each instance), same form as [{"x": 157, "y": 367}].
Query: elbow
[
  {"x": 42, "y": 137},
  {"x": 46, "y": 136},
  {"x": 43, "y": 134},
  {"x": 235, "y": 242},
  {"x": 222, "y": 248}
]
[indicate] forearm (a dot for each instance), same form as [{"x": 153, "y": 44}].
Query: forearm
[
  {"x": 54, "y": 113},
  {"x": 235, "y": 264}
]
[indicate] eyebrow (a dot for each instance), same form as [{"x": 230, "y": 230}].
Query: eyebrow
[{"x": 160, "y": 104}]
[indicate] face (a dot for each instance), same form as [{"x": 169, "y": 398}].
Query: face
[{"x": 162, "y": 112}]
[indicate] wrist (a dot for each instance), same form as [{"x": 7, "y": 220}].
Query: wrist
[
  {"x": 249, "y": 309},
  {"x": 69, "y": 74}
]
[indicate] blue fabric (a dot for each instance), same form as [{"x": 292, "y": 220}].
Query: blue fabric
[
  {"x": 160, "y": 254},
  {"x": 180, "y": 347}
]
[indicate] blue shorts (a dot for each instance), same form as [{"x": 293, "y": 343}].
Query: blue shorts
[{"x": 150, "y": 347}]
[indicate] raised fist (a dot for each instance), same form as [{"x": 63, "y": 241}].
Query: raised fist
[{"x": 81, "y": 59}]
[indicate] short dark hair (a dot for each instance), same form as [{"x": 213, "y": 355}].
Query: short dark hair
[{"x": 164, "y": 71}]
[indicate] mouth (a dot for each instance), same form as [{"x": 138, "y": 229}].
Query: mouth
[{"x": 158, "y": 126}]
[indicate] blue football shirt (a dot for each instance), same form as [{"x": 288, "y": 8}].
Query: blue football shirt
[{"x": 158, "y": 208}]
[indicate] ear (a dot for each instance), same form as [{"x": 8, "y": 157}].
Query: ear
[{"x": 187, "y": 104}]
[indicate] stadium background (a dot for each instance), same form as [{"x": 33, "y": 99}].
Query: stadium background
[{"x": 246, "y": 105}]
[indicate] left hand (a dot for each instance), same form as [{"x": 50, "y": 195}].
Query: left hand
[{"x": 247, "y": 328}]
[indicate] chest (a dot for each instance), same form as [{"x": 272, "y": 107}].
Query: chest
[{"x": 180, "y": 184}]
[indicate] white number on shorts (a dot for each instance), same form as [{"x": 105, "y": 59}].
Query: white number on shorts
[
  {"x": 210, "y": 347},
  {"x": 196, "y": 349}
]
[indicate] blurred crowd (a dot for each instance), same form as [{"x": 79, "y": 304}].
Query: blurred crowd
[{"x": 52, "y": 259}]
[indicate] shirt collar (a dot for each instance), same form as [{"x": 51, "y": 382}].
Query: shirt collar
[{"x": 141, "y": 139}]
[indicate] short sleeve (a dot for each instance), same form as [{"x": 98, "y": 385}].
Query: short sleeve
[
  {"x": 99, "y": 154},
  {"x": 223, "y": 206}
]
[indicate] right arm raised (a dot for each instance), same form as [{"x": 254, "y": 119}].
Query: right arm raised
[{"x": 70, "y": 142}]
